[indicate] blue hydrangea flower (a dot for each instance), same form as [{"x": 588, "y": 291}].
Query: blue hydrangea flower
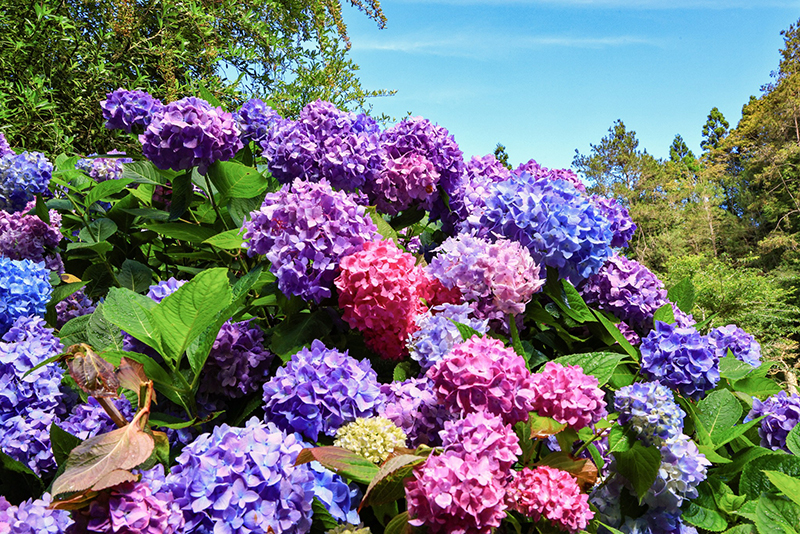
[
  {"x": 680, "y": 358},
  {"x": 743, "y": 346},
  {"x": 338, "y": 497},
  {"x": 650, "y": 409},
  {"x": 682, "y": 469},
  {"x": 413, "y": 406},
  {"x": 33, "y": 517},
  {"x": 622, "y": 226},
  {"x": 657, "y": 521},
  {"x": 90, "y": 419},
  {"x": 29, "y": 405},
  {"x": 243, "y": 480},
  {"x": 24, "y": 290},
  {"x": 124, "y": 110},
  {"x": 102, "y": 169},
  {"x": 320, "y": 390},
  {"x": 21, "y": 178},
  {"x": 304, "y": 230},
  {"x": 437, "y": 334},
  {"x": 560, "y": 226},
  {"x": 782, "y": 415},
  {"x": 255, "y": 118},
  {"x": 479, "y": 175}
]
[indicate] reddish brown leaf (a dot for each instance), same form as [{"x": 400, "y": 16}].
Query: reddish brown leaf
[
  {"x": 76, "y": 502},
  {"x": 587, "y": 476},
  {"x": 341, "y": 461},
  {"x": 92, "y": 373},
  {"x": 131, "y": 375}
]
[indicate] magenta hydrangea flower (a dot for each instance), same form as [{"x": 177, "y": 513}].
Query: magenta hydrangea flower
[
  {"x": 27, "y": 237},
  {"x": 190, "y": 133},
  {"x": 743, "y": 345},
  {"x": 238, "y": 362},
  {"x": 33, "y": 517},
  {"x": 483, "y": 434},
  {"x": 546, "y": 492},
  {"x": 414, "y": 408},
  {"x": 125, "y": 110},
  {"x": 537, "y": 171},
  {"x": 782, "y": 415},
  {"x": 484, "y": 374},
  {"x": 455, "y": 493},
  {"x": 305, "y": 230},
  {"x": 568, "y": 395},
  {"x": 405, "y": 181}
]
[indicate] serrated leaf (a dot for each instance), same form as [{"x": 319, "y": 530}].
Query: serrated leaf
[
  {"x": 757, "y": 386},
  {"x": 776, "y": 515},
  {"x": 384, "y": 228},
  {"x": 754, "y": 481},
  {"x": 683, "y": 295},
  {"x": 733, "y": 369},
  {"x": 543, "y": 427},
  {"x": 790, "y": 486},
  {"x": 135, "y": 276},
  {"x": 234, "y": 180},
  {"x": 598, "y": 364},
  {"x": 322, "y": 519},
  {"x": 143, "y": 172},
  {"x": 182, "y": 231},
  {"x": 93, "y": 374},
  {"x": 737, "y": 431},
  {"x": 133, "y": 314},
  {"x": 466, "y": 330},
  {"x": 621, "y": 439},
  {"x": 793, "y": 440},
  {"x": 639, "y": 465},
  {"x": 106, "y": 189},
  {"x": 230, "y": 240},
  {"x": 719, "y": 412},
  {"x": 665, "y": 314},
  {"x": 341, "y": 461},
  {"x": 567, "y": 298},
  {"x": 101, "y": 333},
  {"x": 387, "y": 485},
  {"x": 704, "y": 518}
]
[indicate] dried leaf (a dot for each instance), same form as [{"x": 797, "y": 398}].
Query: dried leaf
[
  {"x": 76, "y": 502},
  {"x": 131, "y": 374},
  {"x": 93, "y": 374}
]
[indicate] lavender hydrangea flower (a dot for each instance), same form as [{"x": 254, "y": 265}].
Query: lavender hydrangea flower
[
  {"x": 319, "y": 390},
  {"x": 782, "y": 415},
  {"x": 350, "y": 161},
  {"x": 21, "y": 178},
  {"x": 255, "y": 118},
  {"x": 27, "y": 237},
  {"x": 5, "y": 148},
  {"x": 304, "y": 230},
  {"x": 124, "y": 110},
  {"x": 90, "y": 419},
  {"x": 537, "y": 171},
  {"x": 560, "y": 226},
  {"x": 33, "y": 517},
  {"x": 412, "y": 405},
  {"x": 622, "y": 226},
  {"x": 337, "y": 496},
  {"x": 743, "y": 346},
  {"x": 682, "y": 469},
  {"x": 190, "y": 133},
  {"x": 657, "y": 521},
  {"x": 680, "y": 358},
  {"x": 243, "y": 480},
  {"x": 650, "y": 409},
  {"x": 291, "y": 152},
  {"x": 102, "y": 169},
  {"x": 238, "y": 361},
  {"x": 73, "y": 306},
  {"x": 29, "y": 405},
  {"x": 24, "y": 290},
  {"x": 479, "y": 175},
  {"x": 437, "y": 332}
]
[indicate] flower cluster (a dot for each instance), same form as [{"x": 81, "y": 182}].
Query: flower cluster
[
  {"x": 483, "y": 374},
  {"x": 682, "y": 469},
  {"x": 338, "y": 497},
  {"x": 483, "y": 434},
  {"x": 24, "y": 290},
  {"x": 304, "y": 230},
  {"x": 243, "y": 480},
  {"x": 73, "y": 306},
  {"x": 537, "y": 171},
  {"x": 102, "y": 169},
  {"x": 680, "y": 358},
  {"x": 413, "y": 406},
  {"x": 743, "y": 345},
  {"x": 479, "y": 175},
  {"x": 255, "y": 119},
  {"x": 406, "y": 181},
  {"x": 21, "y": 177},
  {"x": 27, "y": 237},
  {"x": 560, "y": 226},
  {"x": 374, "y": 438},
  {"x": 319, "y": 390},
  {"x": 437, "y": 332},
  {"x": 190, "y": 133},
  {"x": 650, "y": 409},
  {"x": 568, "y": 395},
  {"x": 782, "y": 413},
  {"x": 33, "y": 517},
  {"x": 657, "y": 522},
  {"x": 5, "y": 148},
  {"x": 622, "y": 226},
  {"x": 238, "y": 361},
  {"x": 126, "y": 110},
  {"x": 90, "y": 419},
  {"x": 552, "y": 494}
]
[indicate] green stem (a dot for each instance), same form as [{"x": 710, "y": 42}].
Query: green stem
[{"x": 515, "y": 341}]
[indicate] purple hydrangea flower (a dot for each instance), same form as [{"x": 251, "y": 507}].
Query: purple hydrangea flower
[
  {"x": 537, "y": 171},
  {"x": 682, "y": 320},
  {"x": 124, "y": 110},
  {"x": 29, "y": 405},
  {"x": 437, "y": 332},
  {"x": 190, "y": 133},
  {"x": 412, "y": 405},
  {"x": 291, "y": 152},
  {"x": 319, "y": 390},
  {"x": 255, "y": 118},
  {"x": 405, "y": 181},
  {"x": 33, "y": 517},
  {"x": 238, "y": 361},
  {"x": 682, "y": 469},
  {"x": 27, "y": 237},
  {"x": 90, "y": 419},
  {"x": 73, "y": 306},
  {"x": 350, "y": 161},
  {"x": 243, "y": 480},
  {"x": 21, "y": 178},
  {"x": 102, "y": 169},
  {"x": 304, "y": 230},
  {"x": 338, "y": 497},
  {"x": 650, "y": 409},
  {"x": 24, "y": 290},
  {"x": 629, "y": 333},
  {"x": 622, "y": 226},
  {"x": 743, "y": 346},
  {"x": 657, "y": 521},
  {"x": 680, "y": 358},
  {"x": 559, "y": 225},
  {"x": 5, "y": 148},
  {"x": 483, "y": 434},
  {"x": 782, "y": 415},
  {"x": 479, "y": 175}
]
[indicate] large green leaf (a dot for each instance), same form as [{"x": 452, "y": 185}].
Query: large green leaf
[
  {"x": 183, "y": 231},
  {"x": 598, "y": 364},
  {"x": 790, "y": 486},
  {"x": 683, "y": 295},
  {"x": 754, "y": 480},
  {"x": 639, "y": 465},
  {"x": 182, "y": 195},
  {"x": 776, "y": 515},
  {"x": 143, "y": 172},
  {"x": 719, "y": 412},
  {"x": 133, "y": 314},
  {"x": 234, "y": 180},
  {"x": 230, "y": 240},
  {"x": 101, "y": 333},
  {"x": 793, "y": 440},
  {"x": 106, "y": 189},
  {"x": 62, "y": 443},
  {"x": 135, "y": 276},
  {"x": 612, "y": 329},
  {"x": 569, "y": 301},
  {"x": 704, "y": 518},
  {"x": 665, "y": 314}
]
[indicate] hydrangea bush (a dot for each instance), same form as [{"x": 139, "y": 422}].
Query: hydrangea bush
[{"x": 320, "y": 324}]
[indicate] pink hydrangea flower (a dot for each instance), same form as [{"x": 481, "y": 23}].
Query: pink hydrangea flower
[
  {"x": 568, "y": 395},
  {"x": 483, "y": 434},
  {"x": 455, "y": 493},
  {"x": 484, "y": 374},
  {"x": 550, "y": 493}
]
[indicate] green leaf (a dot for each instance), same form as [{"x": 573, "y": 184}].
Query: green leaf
[
  {"x": 208, "y": 96},
  {"x": 612, "y": 329},
  {"x": 407, "y": 218},
  {"x": 230, "y": 240},
  {"x": 62, "y": 442},
  {"x": 102, "y": 248},
  {"x": 756, "y": 386},
  {"x": 17, "y": 481},
  {"x": 240, "y": 208},
  {"x": 101, "y": 333},
  {"x": 598, "y": 364},
  {"x": 186, "y": 313},
  {"x": 182, "y": 231},
  {"x": 793, "y": 440},
  {"x": 622, "y": 376},
  {"x": 341, "y": 461},
  {"x": 41, "y": 210},
  {"x": 402, "y": 371},
  {"x": 143, "y": 172},
  {"x": 543, "y": 427},
  {"x": 399, "y": 525},
  {"x": 322, "y": 519},
  {"x": 776, "y": 515},
  {"x": 704, "y": 518},
  {"x": 106, "y": 189},
  {"x": 384, "y": 228},
  {"x": 711, "y": 454},
  {"x": 639, "y": 465},
  {"x": 739, "y": 460},
  {"x": 790, "y": 486},
  {"x": 719, "y": 412},
  {"x": 133, "y": 314},
  {"x": 754, "y": 481},
  {"x": 747, "y": 528},
  {"x": 683, "y": 295},
  {"x": 74, "y": 331},
  {"x": 182, "y": 195},
  {"x": 466, "y": 330},
  {"x": 733, "y": 369},
  {"x": 621, "y": 439},
  {"x": 665, "y": 314},
  {"x": 98, "y": 230},
  {"x": 569, "y": 301},
  {"x": 298, "y": 331},
  {"x": 135, "y": 276},
  {"x": 234, "y": 180},
  {"x": 387, "y": 485},
  {"x": 735, "y": 432}
]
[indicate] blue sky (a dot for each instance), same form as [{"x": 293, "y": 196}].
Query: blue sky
[{"x": 546, "y": 77}]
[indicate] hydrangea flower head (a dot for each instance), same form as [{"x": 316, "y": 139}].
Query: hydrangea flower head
[
  {"x": 24, "y": 290},
  {"x": 339, "y": 498},
  {"x": 680, "y": 358},
  {"x": 650, "y": 409},
  {"x": 305, "y": 230},
  {"x": 350, "y": 161},
  {"x": 553, "y": 494},
  {"x": 437, "y": 332},
  {"x": 33, "y": 517},
  {"x": 291, "y": 152},
  {"x": 22, "y": 176},
  {"x": 782, "y": 415},
  {"x": 164, "y": 288},
  {"x": 5, "y": 148},
  {"x": 484, "y": 374},
  {"x": 238, "y": 361},
  {"x": 319, "y": 390},
  {"x": 190, "y": 133},
  {"x": 743, "y": 345},
  {"x": 374, "y": 438},
  {"x": 622, "y": 226},
  {"x": 537, "y": 171},
  {"x": 255, "y": 118},
  {"x": 413, "y": 406},
  {"x": 27, "y": 237},
  {"x": 124, "y": 110},
  {"x": 559, "y": 225},
  {"x": 73, "y": 306},
  {"x": 657, "y": 521},
  {"x": 568, "y": 395},
  {"x": 483, "y": 434},
  {"x": 243, "y": 480},
  {"x": 453, "y": 493},
  {"x": 102, "y": 169},
  {"x": 682, "y": 469},
  {"x": 479, "y": 174},
  {"x": 90, "y": 419},
  {"x": 405, "y": 181}
]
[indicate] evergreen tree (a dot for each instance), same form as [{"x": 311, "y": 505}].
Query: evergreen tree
[{"x": 715, "y": 128}]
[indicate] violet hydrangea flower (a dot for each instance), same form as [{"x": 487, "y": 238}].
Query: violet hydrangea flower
[
  {"x": 102, "y": 169},
  {"x": 479, "y": 175},
  {"x": 27, "y": 237},
  {"x": 550, "y": 493},
  {"x": 125, "y": 110},
  {"x": 21, "y": 178},
  {"x": 782, "y": 415},
  {"x": 33, "y": 517},
  {"x": 657, "y": 521},
  {"x": 412, "y": 405},
  {"x": 190, "y": 133},
  {"x": 73, "y": 306},
  {"x": 537, "y": 171},
  {"x": 24, "y": 290},
  {"x": 406, "y": 181},
  {"x": 5, "y": 148},
  {"x": 255, "y": 118},
  {"x": 743, "y": 345},
  {"x": 337, "y": 496},
  {"x": 319, "y": 390},
  {"x": 304, "y": 230},
  {"x": 682, "y": 469},
  {"x": 90, "y": 419},
  {"x": 650, "y": 409},
  {"x": 622, "y": 226},
  {"x": 238, "y": 361},
  {"x": 568, "y": 395},
  {"x": 437, "y": 332}
]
